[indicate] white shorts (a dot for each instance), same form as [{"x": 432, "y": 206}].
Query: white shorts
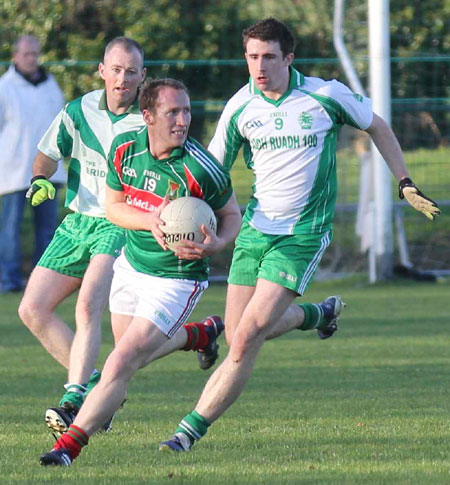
[{"x": 166, "y": 302}]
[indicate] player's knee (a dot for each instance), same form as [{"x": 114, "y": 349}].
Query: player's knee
[
  {"x": 23, "y": 312},
  {"x": 120, "y": 365},
  {"x": 231, "y": 327},
  {"x": 115, "y": 366},
  {"x": 244, "y": 346},
  {"x": 88, "y": 313},
  {"x": 29, "y": 312}
]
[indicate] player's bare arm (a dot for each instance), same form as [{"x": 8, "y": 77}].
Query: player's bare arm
[
  {"x": 229, "y": 223},
  {"x": 389, "y": 147},
  {"x": 124, "y": 215},
  {"x": 44, "y": 165}
]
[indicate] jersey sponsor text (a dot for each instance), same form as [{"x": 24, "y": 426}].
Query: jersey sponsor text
[
  {"x": 96, "y": 172},
  {"x": 276, "y": 142}
]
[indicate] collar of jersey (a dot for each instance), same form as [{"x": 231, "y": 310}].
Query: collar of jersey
[
  {"x": 296, "y": 79},
  {"x": 102, "y": 105},
  {"x": 176, "y": 152}
]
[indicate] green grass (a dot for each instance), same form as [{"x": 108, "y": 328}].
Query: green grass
[{"x": 370, "y": 405}]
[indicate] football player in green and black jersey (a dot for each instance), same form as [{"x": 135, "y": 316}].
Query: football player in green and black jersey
[
  {"x": 154, "y": 290},
  {"x": 287, "y": 124}
]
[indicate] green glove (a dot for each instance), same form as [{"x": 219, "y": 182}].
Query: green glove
[
  {"x": 41, "y": 189},
  {"x": 407, "y": 190}
]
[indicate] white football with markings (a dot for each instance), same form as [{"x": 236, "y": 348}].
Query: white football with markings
[{"x": 184, "y": 217}]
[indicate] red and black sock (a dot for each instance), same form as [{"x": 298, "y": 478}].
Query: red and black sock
[{"x": 72, "y": 440}]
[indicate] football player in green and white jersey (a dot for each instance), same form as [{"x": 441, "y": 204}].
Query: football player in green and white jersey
[
  {"x": 85, "y": 245},
  {"x": 288, "y": 125},
  {"x": 154, "y": 290}
]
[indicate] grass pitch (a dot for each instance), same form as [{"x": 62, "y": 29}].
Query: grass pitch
[{"x": 370, "y": 405}]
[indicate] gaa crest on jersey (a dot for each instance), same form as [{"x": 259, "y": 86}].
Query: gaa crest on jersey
[
  {"x": 358, "y": 97},
  {"x": 305, "y": 120},
  {"x": 253, "y": 124},
  {"x": 131, "y": 172},
  {"x": 172, "y": 189}
]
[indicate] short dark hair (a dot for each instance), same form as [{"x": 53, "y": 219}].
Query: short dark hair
[
  {"x": 270, "y": 29},
  {"x": 127, "y": 44},
  {"x": 149, "y": 91}
]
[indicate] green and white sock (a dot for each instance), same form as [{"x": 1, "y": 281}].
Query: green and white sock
[
  {"x": 76, "y": 393},
  {"x": 313, "y": 316},
  {"x": 193, "y": 426},
  {"x": 93, "y": 381}
]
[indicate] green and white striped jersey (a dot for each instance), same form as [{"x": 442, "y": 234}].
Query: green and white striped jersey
[
  {"x": 290, "y": 145},
  {"x": 84, "y": 131},
  {"x": 190, "y": 170}
]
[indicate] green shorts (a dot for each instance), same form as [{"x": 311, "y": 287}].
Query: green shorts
[
  {"x": 77, "y": 239},
  {"x": 287, "y": 260}
]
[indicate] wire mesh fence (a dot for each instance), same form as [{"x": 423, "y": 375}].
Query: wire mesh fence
[{"x": 199, "y": 43}]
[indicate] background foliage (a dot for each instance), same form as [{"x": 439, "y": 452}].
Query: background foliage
[
  {"x": 199, "y": 41},
  {"x": 75, "y": 31}
]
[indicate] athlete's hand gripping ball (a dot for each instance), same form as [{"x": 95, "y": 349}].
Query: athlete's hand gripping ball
[
  {"x": 41, "y": 189},
  {"x": 407, "y": 190}
]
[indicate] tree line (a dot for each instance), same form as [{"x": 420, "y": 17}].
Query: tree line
[{"x": 76, "y": 31}]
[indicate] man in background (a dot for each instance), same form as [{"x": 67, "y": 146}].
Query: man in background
[{"x": 29, "y": 100}]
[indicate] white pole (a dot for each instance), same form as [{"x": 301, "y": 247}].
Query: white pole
[
  {"x": 380, "y": 92},
  {"x": 366, "y": 171},
  {"x": 339, "y": 45}
]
